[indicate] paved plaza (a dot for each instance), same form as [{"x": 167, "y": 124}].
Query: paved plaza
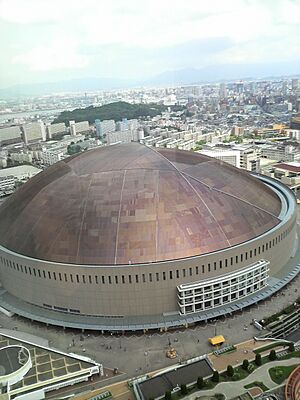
[
  {"x": 149, "y": 350},
  {"x": 237, "y": 388}
]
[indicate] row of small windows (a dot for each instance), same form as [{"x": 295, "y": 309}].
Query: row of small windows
[{"x": 150, "y": 277}]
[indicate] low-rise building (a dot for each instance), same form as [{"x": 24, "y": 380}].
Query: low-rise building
[
  {"x": 230, "y": 156},
  {"x": 287, "y": 173},
  {"x": 7, "y": 183},
  {"x": 21, "y": 157},
  {"x": 22, "y": 172},
  {"x": 51, "y": 156},
  {"x": 280, "y": 152}
]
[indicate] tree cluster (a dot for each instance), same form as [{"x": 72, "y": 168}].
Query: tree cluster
[{"x": 116, "y": 111}]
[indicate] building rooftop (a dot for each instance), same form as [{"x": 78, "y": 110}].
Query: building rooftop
[
  {"x": 128, "y": 204},
  {"x": 19, "y": 170},
  {"x": 158, "y": 385},
  {"x": 292, "y": 166},
  {"x": 49, "y": 367}
]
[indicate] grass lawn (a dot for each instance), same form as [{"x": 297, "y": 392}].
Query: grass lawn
[
  {"x": 270, "y": 346},
  {"x": 291, "y": 355},
  {"x": 256, "y": 384},
  {"x": 239, "y": 373},
  {"x": 280, "y": 373}
]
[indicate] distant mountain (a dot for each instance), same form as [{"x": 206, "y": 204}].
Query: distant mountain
[
  {"x": 223, "y": 72},
  {"x": 187, "y": 76},
  {"x": 73, "y": 85}
]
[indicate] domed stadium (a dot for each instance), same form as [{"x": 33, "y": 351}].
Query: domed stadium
[{"x": 129, "y": 237}]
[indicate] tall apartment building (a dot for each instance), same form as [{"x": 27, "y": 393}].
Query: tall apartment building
[
  {"x": 295, "y": 84},
  {"x": 107, "y": 126},
  {"x": 98, "y": 128},
  {"x": 250, "y": 160},
  {"x": 223, "y": 91},
  {"x": 55, "y": 129},
  {"x": 237, "y": 131},
  {"x": 133, "y": 124},
  {"x": 122, "y": 136},
  {"x": 122, "y": 125},
  {"x": 10, "y": 135},
  {"x": 79, "y": 127},
  {"x": 34, "y": 132},
  {"x": 294, "y": 134}
]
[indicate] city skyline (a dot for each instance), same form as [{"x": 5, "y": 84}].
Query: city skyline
[{"x": 48, "y": 42}]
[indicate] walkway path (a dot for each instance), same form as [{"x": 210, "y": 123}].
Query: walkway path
[{"x": 232, "y": 389}]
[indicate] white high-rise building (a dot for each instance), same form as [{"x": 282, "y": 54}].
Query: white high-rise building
[
  {"x": 79, "y": 127},
  {"x": 33, "y": 132},
  {"x": 223, "y": 91},
  {"x": 122, "y": 136},
  {"x": 107, "y": 126},
  {"x": 55, "y": 129},
  {"x": 9, "y": 135},
  {"x": 72, "y": 128}
]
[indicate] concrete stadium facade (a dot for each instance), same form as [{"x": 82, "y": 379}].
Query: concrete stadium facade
[{"x": 127, "y": 296}]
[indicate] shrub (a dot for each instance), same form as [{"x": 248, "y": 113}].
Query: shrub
[
  {"x": 219, "y": 396},
  {"x": 291, "y": 347},
  {"x": 183, "y": 389},
  {"x": 200, "y": 382},
  {"x": 245, "y": 365},
  {"x": 272, "y": 355},
  {"x": 230, "y": 370},
  {"x": 258, "y": 360},
  {"x": 251, "y": 368},
  {"x": 168, "y": 395},
  {"x": 215, "y": 377}
]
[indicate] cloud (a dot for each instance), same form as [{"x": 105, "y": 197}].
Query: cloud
[
  {"x": 58, "y": 55},
  {"x": 125, "y": 36}
]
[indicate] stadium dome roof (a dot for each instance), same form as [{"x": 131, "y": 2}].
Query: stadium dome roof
[{"x": 129, "y": 203}]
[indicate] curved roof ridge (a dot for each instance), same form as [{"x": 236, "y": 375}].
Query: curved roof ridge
[
  {"x": 231, "y": 195},
  {"x": 83, "y": 216},
  {"x": 197, "y": 194},
  {"x": 119, "y": 215}
]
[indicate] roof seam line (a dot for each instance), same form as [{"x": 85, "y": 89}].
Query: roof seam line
[
  {"x": 118, "y": 223},
  {"x": 197, "y": 194},
  {"x": 231, "y": 195},
  {"x": 83, "y": 216}
]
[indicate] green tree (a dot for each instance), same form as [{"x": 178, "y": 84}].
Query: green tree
[
  {"x": 258, "y": 360},
  {"x": 168, "y": 395},
  {"x": 272, "y": 355},
  {"x": 291, "y": 347},
  {"x": 216, "y": 376},
  {"x": 200, "y": 382},
  {"x": 183, "y": 389},
  {"x": 230, "y": 370},
  {"x": 245, "y": 365}
]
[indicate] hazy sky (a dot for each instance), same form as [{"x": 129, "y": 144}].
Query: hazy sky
[{"x": 43, "y": 40}]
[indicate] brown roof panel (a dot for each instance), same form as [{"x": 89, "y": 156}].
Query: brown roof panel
[{"x": 132, "y": 204}]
